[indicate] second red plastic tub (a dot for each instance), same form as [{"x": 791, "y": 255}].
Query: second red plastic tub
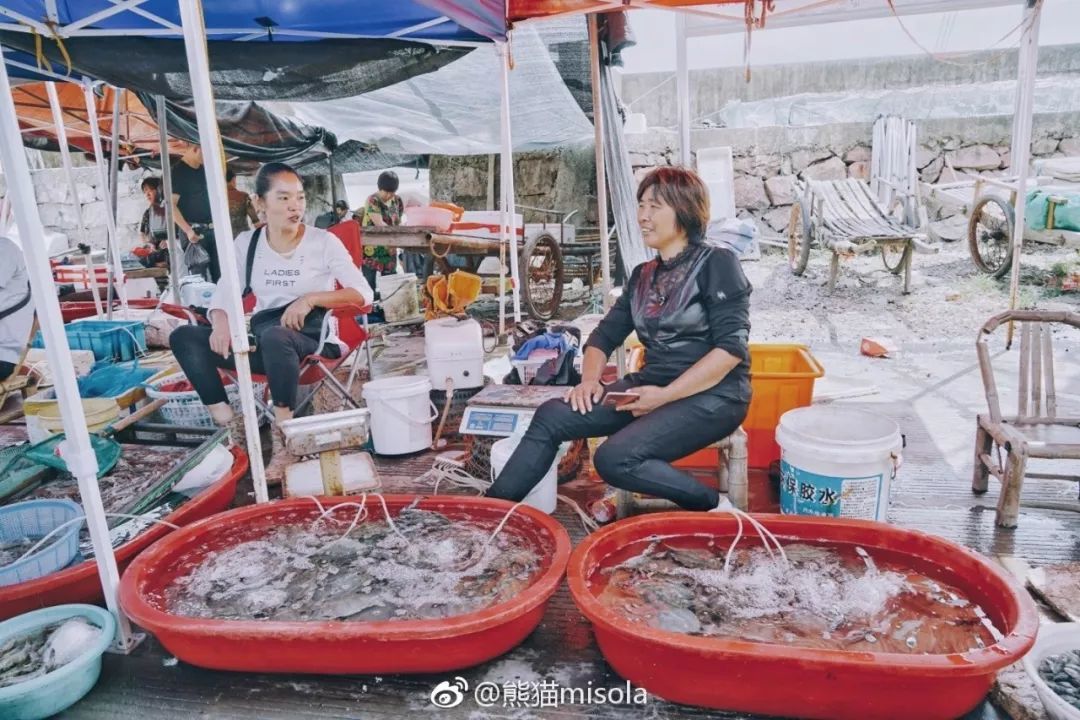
[{"x": 773, "y": 679}]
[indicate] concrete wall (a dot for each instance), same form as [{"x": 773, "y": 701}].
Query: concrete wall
[
  {"x": 563, "y": 179},
  {"x": 654, "y": 94}
]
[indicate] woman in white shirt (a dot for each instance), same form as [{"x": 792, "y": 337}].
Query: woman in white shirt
[
  {"x": 16, "y": 310},
  {"x": 290, "y": 269}
]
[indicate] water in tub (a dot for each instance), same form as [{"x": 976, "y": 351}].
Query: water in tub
[
  {"x": 424, "y": 566},
  {"x": 25, "y": 657},
  {"x": 835, "y": 597}
]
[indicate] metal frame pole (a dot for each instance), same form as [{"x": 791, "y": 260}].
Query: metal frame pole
[
  {"x": 1021, "y": 140},
  {"x": 202, "y": 92},
  {"x": 114, "y": 173},
  {"x": 76, "y": 448},
  {"x": 682, "y": 82},
  {"x": 73, "y": 187},
  {"x": 117, "y": 272},
  {"x": 601, "y": 173},
  {"x": 166, "y": 188},
  {"x": 506, "y": 169}
]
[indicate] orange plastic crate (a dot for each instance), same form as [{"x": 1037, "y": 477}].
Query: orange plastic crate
[{"x": 782, "y": 377}]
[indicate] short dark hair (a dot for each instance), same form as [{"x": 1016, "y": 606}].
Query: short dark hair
[
  {"x": 341, "y": 205},
  {"x": 685, "y": 192},
  {"x": 229, "y": 174},
  {"x": 268, "y": 172},
  {"x": 151, "y": 181},
  {"x": 388, "y": 181}
]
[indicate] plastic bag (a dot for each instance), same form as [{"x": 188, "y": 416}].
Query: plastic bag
[{"x": 196, "y": 258}]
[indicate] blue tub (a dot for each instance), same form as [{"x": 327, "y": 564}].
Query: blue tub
[
  {"x": 54, "y": 692},
  {"x": 36, "y": 519},
  {"x": 116, "y": 340}
]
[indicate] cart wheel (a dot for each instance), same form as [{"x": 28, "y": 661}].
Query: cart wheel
[
  {"x": 798, "y": 239},
  {"x": 990, "y": 233},
  {"x": 542, "y": 274},
  {"x": 895, "y": 258}
]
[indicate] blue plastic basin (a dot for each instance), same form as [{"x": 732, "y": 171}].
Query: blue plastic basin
[{"x": 54, "y": 692}]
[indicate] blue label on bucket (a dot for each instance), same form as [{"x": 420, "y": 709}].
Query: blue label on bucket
[{"x": 807, "y": 493}]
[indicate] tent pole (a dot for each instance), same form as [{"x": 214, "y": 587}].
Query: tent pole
[
  {"x": 117, "y": 274},
  {"x": 114, "y": 172},
  {"x": 73, "y": 186},
  {"x": 601, "y": 174},
  {"x": 1023, "y": 117},
  {"x": 509, "y": 225},
  {"x": 191, "y": 17},
  {"x": 166, "y": 189},
  {"x": 682, "y": 82},
  {"x": 333, "y": 182},
  {"x": 78, "y": 453}
]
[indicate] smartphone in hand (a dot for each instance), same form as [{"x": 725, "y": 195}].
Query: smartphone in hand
[{"x": 618, "y": 399}]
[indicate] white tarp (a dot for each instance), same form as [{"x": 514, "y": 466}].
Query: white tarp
[{"x": 455, "y": 110}]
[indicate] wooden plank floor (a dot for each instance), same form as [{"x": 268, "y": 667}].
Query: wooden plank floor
[{"x": 928, "y": 496}]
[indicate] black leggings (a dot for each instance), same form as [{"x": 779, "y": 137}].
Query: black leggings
[
  {"x": 277, "y": 356},
  {"x": 6, "y": 370},
  {"x": 638, "y": 453}
]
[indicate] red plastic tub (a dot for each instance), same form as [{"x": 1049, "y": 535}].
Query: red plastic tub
[
  {"x": 80, "y": 583},
  {"x": 81, "y": 309},
  {"x": 393, "y": 646},
  {"x": 772, "y": 679}
]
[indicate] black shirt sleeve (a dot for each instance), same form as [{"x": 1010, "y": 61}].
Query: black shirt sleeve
[
  {"x": 618, "y": 323},
  {"x": 725, "y": 293}
]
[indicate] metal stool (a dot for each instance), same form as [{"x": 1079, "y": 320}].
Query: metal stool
[{"x": 731, "y": 473}]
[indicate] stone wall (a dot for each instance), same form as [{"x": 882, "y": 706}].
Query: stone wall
[
  {"x": 769, "y": 161},
  {"x": 563, "y": 179}
]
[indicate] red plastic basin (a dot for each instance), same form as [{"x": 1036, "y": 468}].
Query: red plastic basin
[
  {"x": 80, "y": 583},
  {"x": 772, "y": 679},
  {"x": 393, "y": 646}
]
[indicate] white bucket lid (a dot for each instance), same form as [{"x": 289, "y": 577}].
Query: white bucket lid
[
  {"x": 396, "y": 387},
  {"x": 840, "y": 427}
]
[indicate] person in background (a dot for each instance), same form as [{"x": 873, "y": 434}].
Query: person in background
[
  {"x": 152, "y": 228},
  {"x": 240, "y": 208},
  {"x": 293, "y": 271},
  {"x": 16, "y": 310},
  {"x": 690, "y": 307},
  {"x": 333, "y": 216},
  {"x": 191, "y": 207},
  {"x": 382, "y": 209}
]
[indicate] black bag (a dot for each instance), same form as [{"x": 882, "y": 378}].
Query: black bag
[{"x": 266, "y": 319}]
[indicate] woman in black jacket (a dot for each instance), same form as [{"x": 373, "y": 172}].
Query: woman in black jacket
[{"x": 690, "y": 308}]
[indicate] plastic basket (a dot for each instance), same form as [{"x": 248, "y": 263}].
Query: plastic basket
[
  {"x": 117, "y": 340},
  {"x": 36, "y": 519},
  {"x": 185, "y": 409},
  {"x": 782, "y": 378}
]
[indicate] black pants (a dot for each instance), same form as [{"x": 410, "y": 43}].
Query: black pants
[
  {"x": 6, "y": 370},
  {"x": 277, "y": 356},
  {"x": 638, "y": 453}
]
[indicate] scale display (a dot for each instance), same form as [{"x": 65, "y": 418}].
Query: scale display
[{"x": 493, "y": 421}]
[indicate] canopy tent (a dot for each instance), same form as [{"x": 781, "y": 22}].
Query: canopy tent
[{"x": 454, "y": 110}]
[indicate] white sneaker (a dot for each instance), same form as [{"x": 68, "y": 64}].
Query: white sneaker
[{"x": 724, "y": 505}]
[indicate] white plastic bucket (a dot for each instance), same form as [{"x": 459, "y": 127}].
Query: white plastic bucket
[
  {"x": 543, "y": 495},
  {"x": 401, "y": 414},
  {"x": 837, "y": 462}
]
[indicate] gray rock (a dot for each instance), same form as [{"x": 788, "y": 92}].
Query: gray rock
[
  {"x": 1046, "y": 146},
  {"x": 859, "y": 170},
  {"x": 781, "y": 190},
  {"x": 924, "y": 156},
  {"x": 950, "y": 229},
  {"x": 802, "y": 159},
  {"x": 778, "y": 218},
  {"x": 932, "y": 172},
  {"x": 831, "y": 169},
  {"x": 975, "y": 157},
  {"x": 859, "y": 153},
  {"x": 750, "y": 193},
  {"x": 1070, "y": 146}
]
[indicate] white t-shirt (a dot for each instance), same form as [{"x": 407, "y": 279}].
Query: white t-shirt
[
  {"x": 14, "y": 282},
  {"x": 314, "y": 266}
]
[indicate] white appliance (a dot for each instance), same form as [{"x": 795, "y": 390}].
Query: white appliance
[{"x": 454, "y": 350}]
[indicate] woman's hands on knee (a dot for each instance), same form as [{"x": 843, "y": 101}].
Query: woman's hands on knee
[
  {"x": 296, "y": 313},
  {"x": 582, "y": 397},
  {"x": 221, "y": 340}
]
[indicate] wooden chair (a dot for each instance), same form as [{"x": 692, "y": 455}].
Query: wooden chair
[
  {"x": 1003, "y": 444},
  {"x": 22, "y": 381}
]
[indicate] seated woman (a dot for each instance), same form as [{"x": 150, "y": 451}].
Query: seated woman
[
  {"x": 153, "y": 228},
  {"x": 293, "y": 268},
  {"x": 690, "y": 308}
]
